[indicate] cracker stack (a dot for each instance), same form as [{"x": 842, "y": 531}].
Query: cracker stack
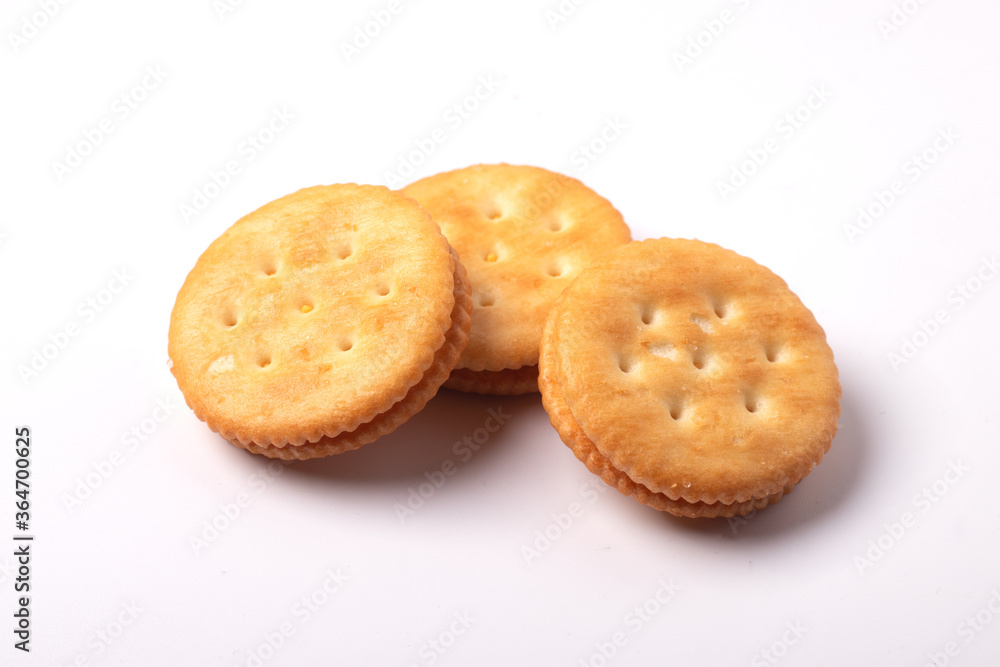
[
  {"x": 524, "y": 234},
  {"x": 320, "y": 322},
  {"x": 690, "y": 378}
]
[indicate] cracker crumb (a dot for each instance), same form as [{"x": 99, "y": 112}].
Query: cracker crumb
[{"x": 222, "y": 364}]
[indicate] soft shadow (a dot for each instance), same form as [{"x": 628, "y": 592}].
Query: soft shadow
[
  {"x": 818, "y": 496},
  {"x": 423, "y": 443}
]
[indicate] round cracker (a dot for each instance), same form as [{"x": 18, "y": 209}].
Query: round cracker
[
  {"x": 444, "y": 361},
  {"x": 690, "y": 378},
  {"x": 312, "y": 315},
  {"x": 523, "y": 234}
]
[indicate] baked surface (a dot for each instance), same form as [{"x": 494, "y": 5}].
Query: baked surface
[
  {"x": 388, "y": 421},
  {"x": 313, "y": 315},
  {"x": 689, "y": 377},
  {"x": 523, "y": 234}
]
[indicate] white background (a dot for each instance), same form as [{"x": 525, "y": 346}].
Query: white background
[{"x": 686, "y": 127}]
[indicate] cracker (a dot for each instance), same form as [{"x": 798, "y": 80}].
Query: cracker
[
  {"x": 523, "y": 234},
  {"x": 315, "y": 315},
  {"x": 690, "y": 378},
  {"x": 508, "y": 382},
  {"x": 444, "y": 361}
]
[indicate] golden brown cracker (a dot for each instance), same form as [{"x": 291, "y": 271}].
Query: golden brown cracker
[
  {"x": 690, "y": 378},
  {"x": 444, "y": 361},
  {"x": 313, "y": 315},
  {"x": 523, "y": 234}
]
